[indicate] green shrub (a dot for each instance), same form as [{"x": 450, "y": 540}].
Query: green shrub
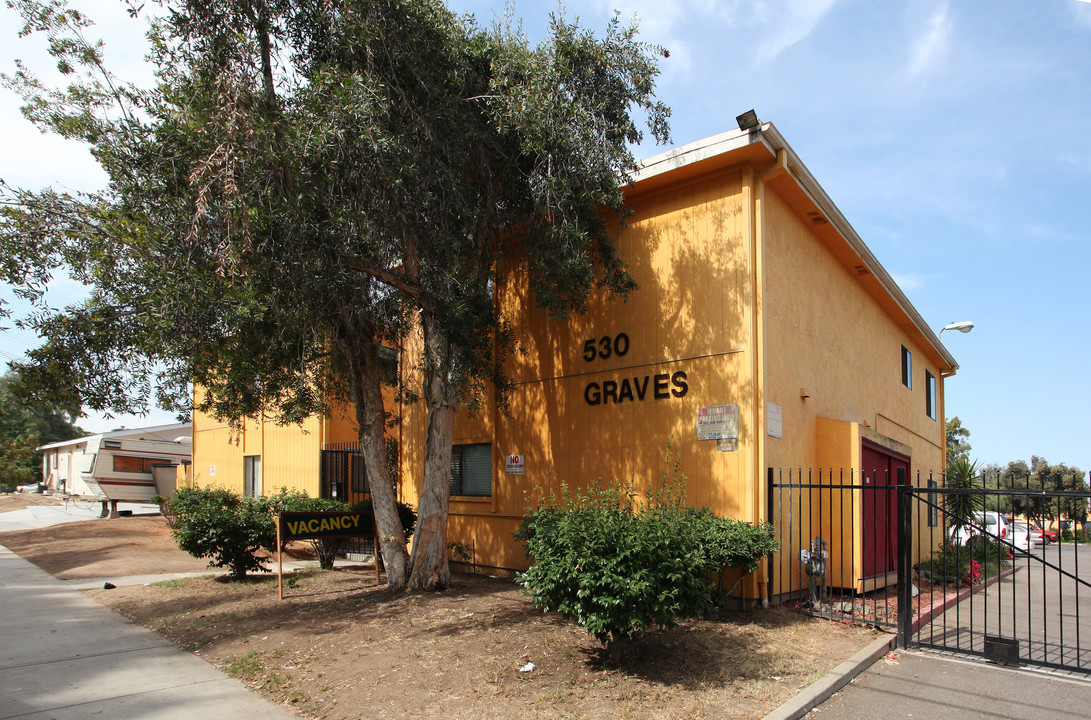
[
  {"x": 218, "y": 524},
  {"x": 735, "y": 545},
  {"x": 949, "y": 564},
  {"x": 406, "y": 514},
  {"x": 617, "y": 565}
]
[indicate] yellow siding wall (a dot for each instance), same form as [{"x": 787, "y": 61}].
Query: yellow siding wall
[
  {"x": 290, "y": 454},
  {"x": 826, "y": 335},
  {"x": 688, "y": 251}
]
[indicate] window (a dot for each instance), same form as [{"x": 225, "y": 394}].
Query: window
[
  {"x": 251, "y": 475},
  {"x": 907, "y": 368},
  {"x": 127, "y": 463},
  {"x": 388, "y": 365},
  {"x": 471, "y": 470},
  {"x": 930, "y": 394}
]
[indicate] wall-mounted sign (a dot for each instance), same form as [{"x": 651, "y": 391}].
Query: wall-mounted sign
[
  {"x": 727, "y": 445},
  {"x": 514, "y": 465},
  {"x": 774, "y": 420},
  {"x": 718, "y": 422},
  {"x": 212, "y": 471}
]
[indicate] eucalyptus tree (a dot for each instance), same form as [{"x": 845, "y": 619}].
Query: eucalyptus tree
[{"x": 309, "y": 181}]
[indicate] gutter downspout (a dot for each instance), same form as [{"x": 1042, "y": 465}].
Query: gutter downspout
[{"x": 757, "y": 335}]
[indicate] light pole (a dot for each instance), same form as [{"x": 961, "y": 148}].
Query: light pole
[{"x": 964, "y": 326}]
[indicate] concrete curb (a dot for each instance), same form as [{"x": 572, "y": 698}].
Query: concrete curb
[{"x": 820, "y": 690}]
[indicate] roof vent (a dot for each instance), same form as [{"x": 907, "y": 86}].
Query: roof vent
[
  {"x": 860, "y": 270},
  {"x": 816, "y": 218}
]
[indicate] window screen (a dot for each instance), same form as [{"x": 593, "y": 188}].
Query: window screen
[{"x": 471, "y": 470}]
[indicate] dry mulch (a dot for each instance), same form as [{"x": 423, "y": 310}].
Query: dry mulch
[{"x": 339, "y": 646}]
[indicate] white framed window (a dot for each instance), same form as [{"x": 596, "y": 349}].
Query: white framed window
[{"x": 930, "y": 394}]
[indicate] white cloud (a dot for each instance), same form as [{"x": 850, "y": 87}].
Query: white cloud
[
  {"x": 930, "y": 46},
  {"x": 761, "y": 29},
  {"x": 1082, "y": 12},
  {"x": 789, "y": 23}
]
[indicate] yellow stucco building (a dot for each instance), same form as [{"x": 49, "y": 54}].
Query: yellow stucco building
[{"x": 760, "y": 313}]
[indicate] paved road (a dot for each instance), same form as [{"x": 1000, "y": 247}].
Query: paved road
[
  {"x": 1045, "y": 605},
  {"x": 928, "y": 687}
]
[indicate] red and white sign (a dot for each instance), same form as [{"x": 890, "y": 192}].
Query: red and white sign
[
  {"x": 718, "y": 422},
  {"x": 514, "y": 465}
]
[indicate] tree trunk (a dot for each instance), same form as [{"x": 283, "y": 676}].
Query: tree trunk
[
  {"x": 430, "y": 570},
  {"x": 371, "y": 419}
]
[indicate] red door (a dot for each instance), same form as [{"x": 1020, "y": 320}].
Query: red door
[{"x": 880, "y": 503}]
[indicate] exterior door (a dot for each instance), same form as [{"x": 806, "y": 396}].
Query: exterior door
[{"x": 880, "y": 501}]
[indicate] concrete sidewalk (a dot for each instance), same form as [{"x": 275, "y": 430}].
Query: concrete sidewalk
[
  {"x": 923, "y": 685},
  {"x": 63, "y": 656}
]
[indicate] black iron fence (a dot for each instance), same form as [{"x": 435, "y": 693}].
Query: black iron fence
[
  {"x": 342, "y": 476},
  {"x": 969, "y": 566}
]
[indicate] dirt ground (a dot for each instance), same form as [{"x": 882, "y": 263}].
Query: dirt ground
[
  {"x": 339, "y": 646},
  {"x": 135, "y": 545}
]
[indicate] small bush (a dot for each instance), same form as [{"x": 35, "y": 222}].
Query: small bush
[
  {"x": 949, "y": 564},
  {"x": 218, "y": 524},
  {"x": 735, "y": 545},
  {"x": 617, "y": 565}
]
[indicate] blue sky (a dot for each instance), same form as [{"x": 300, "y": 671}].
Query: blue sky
[{"x": 955, "y": 137}]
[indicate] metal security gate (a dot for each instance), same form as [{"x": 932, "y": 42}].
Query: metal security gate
[
  {"x": 846, "y": 555},
  {"x": 342, "y": 476},
  {"x": 997, "y": 597}
]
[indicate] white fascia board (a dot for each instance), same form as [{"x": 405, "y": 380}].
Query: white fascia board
[
  {"x": 695, "y": 152},
  {"x": 68, "y": 443}
]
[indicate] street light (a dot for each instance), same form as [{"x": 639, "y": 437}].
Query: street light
[{"x": 963, "y": 327}]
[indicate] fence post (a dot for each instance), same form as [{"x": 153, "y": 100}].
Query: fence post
[
  {"x": 905, "y": 560},
  {"x": 770, "y": 558}
]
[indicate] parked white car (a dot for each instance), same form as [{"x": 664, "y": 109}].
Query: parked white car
[
  {"x": 1037, "y": 537},
  {"x": 998, "y": 526}
]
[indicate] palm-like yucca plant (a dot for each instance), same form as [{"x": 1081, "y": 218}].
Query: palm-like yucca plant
[{"x": 959, "y": 508}]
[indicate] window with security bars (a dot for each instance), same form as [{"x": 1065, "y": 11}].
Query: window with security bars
[
  {"x": 359, "y": 473},
  {"x": 471, "y": 470}
]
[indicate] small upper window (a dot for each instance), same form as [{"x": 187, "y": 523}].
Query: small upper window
[
  {"x": 930, "y": 394},
  {"x": 907, "y": 368}
]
